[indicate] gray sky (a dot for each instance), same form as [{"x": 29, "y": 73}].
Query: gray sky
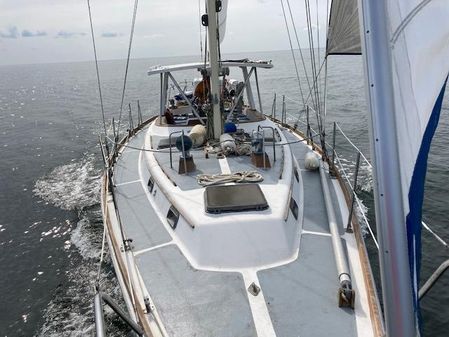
[{"x": 41, "y": 31}]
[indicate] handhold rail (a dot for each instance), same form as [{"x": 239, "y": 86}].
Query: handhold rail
[
  {"x": 170, "y": 145},
  {"x": 260, "y": 127}
]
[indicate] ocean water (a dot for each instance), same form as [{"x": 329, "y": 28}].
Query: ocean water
[{"x": 50, "y": 219}]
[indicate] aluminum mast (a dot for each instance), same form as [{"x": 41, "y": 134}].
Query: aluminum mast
[
  {"x": 213, "y": 58},
  {"x": 391, "y": 229}
]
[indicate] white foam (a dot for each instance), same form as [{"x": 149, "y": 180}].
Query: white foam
[
  {"x": 76, "y": 186},
  {"x": 70, "y": 312},
  {"x": 72, "y": 186},
  {"x": 85, "y": 240}
]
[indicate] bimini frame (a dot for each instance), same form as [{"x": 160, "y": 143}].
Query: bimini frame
[{"x": 165, "y": 73}]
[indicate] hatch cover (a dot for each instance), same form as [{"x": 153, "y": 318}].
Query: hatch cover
[{"x": 234, "y": 198}]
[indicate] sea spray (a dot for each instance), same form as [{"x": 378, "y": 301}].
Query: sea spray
[
  {"x": 75, "y": 187},
  {"x": 71, "y": 186}
]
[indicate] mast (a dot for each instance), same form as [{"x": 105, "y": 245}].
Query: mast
[
  {"x": 389, "y": 199},
  {"x": 212, "y": 7}
]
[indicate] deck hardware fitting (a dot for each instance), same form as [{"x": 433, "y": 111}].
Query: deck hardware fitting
[
  {"x": 148, "y": 306},
  {"x": 254, "y": 289},
  {"x": 127, "y": 245},
  {"x": 346, "y": 295}
]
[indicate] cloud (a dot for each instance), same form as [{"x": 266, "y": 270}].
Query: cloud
[
  {"x": 12, "y": 33},
  {"x": 109, "y": 34},
  {"x": 154, "y": 36},
  {"x": 66, "y": 35},
  {"x": 27, "y": 33}
]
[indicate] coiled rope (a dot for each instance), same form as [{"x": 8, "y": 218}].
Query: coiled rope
[{"x": 237, "y": 177}]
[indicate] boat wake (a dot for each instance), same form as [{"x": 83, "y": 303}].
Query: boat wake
[
  {"x": 72, "y": 186},
  {"x": 75, "y": 187},
  {"x": 70, "y": 312}
]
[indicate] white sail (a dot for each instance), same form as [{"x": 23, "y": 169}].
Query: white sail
[
  {"x": 222, "y": 16},
  {"x": 343, "y": 32},
  {"x": 419, "y": 33},
  {"x": 406, "y": 47}
]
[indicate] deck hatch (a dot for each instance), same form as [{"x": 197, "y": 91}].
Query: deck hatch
[{"x": 234, "y": 198}]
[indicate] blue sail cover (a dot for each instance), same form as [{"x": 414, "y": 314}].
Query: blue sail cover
[{"x": 419, "y": 31}]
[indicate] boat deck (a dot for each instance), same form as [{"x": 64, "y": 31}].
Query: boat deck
[
  {"x": 212, "y": 166},
  {"x": 300, "y": 297}
]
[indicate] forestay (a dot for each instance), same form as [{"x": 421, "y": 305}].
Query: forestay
[
  {"x": 419, "y": 40},
  {"x": 344, "y": 32}
]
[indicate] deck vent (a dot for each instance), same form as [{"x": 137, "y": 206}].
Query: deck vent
[
  {"x": 294, "y": 208},
  {"x": 234, "y": 198},
  {"x": 150, "y": 184},
  {"x": 173, "y": 217}
]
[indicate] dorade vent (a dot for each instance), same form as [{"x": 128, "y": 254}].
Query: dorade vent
[
  {"x": 294, "y": 208},
  {"x": 173, "y": 217},
  {"x": 234, "y": 198},
  {"x": 150, "y": 184}
]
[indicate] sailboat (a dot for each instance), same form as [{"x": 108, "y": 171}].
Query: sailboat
[{"x": 224, "y": 221}]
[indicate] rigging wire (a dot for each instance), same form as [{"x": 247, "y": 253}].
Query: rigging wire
[
  {"x": 299, "y": 47},
  {"x": 325, "y": 66},
  {"x": 320, "y": 82},
  {"x": 314, "y": 66},
  {"x": 293, "y": 54},
  {"x": 318, "y": 33},
  {"x": 201, "y": 29},
  {"x": 314, "y": 70},
  {"x": 435, "y": 235},
  {"x": 310, "y": 95},
  {"x": 312, "y": 60},
  {"x": 312, "y": 52},
  {"x": 127, "y": 64},
  {"x": 97, "y": 71}
]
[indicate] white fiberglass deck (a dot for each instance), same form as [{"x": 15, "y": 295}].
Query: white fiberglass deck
[{"x": 298, "y": 293}]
